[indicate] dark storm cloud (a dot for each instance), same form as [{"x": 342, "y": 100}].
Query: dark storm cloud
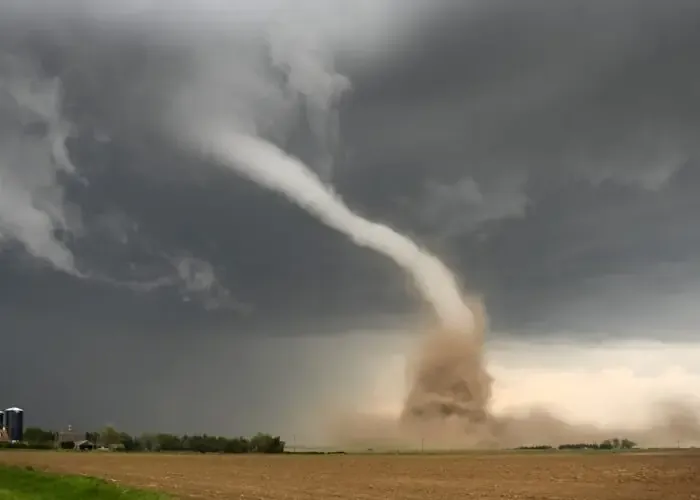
[
  {"x": 547, "y": 149},
  {"x": 558, "y": 139}
]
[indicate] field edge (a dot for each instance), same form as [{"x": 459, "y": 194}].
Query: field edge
[{"x": 29, "y": 483}]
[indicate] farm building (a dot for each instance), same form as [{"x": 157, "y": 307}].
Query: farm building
[
  {"x": 84, "y": 445},
  {"x": 69, "y": 438}
]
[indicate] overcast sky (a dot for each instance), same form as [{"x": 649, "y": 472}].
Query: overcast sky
[{"x": 547, "y": 151}]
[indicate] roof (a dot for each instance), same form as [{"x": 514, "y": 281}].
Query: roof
[
  {"x": 65, "y": 436},
  {"x": 15, "y": 409}
]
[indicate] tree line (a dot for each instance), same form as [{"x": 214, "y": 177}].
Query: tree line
[
  {"x": 608, "y": 444},
  {"x": 111, "y": 438}
]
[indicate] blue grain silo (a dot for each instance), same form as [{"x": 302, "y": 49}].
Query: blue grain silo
[
  {"x": 14, "y": 422},
  {"x": 2, "y": 420}
]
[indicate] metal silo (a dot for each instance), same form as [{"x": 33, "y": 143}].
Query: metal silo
[
  {"x": 2, "y": 419},
  {"x": 14, "y": 422}
]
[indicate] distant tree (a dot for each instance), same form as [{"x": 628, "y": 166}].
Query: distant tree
[
  {"x": 110, "y": 436},
  {"x": 128, "y": 442},
  {"x": 265, "y": 443},
  {"x": 36, "y": 435},
  {"x": 32, "y": 434},
  {"x": 93, "y": 437},
  {"x": 618, "y": 444},
  {"x": 148, "y": 442},
  {"x": 186, "y": 442},
  {"x": 579, "y": 446},
  {"x": 204, "y": 444},
  {"x": 626, "y": 444},
  {"x": 606, "y": 445},
  {"x": 237, "y": 445},
  {"x": 168, "y": 442}
]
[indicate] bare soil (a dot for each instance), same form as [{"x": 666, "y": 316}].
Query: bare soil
[{"x": 524, "y": 476}]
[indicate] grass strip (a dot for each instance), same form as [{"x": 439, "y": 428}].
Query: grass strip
[{"x": 28, "y": 484}]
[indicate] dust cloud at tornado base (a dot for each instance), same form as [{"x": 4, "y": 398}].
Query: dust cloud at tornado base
[{"x": 448, "y": 404}]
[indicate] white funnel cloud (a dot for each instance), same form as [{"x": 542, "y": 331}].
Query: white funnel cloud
[{"x": 269, "y": 166}]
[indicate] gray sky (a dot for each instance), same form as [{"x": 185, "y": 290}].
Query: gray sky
[{"x": 546, "y": 150}]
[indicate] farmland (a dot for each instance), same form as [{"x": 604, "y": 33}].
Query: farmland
[{"x": 523, "y": 475}]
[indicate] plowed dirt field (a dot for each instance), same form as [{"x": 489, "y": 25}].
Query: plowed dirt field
[{"x": 531, "y": 476}]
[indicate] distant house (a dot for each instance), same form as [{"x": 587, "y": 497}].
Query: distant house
[{"x": 4, "y": 438}]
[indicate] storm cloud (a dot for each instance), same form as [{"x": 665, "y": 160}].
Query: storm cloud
[{"x": 547, "y": 151}]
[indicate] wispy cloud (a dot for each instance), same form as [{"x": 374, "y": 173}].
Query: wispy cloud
[
  {"x": 464, "y": 206},
  {"x": 34, "y": 212},
  {"x": 33, "y": 157},
  {"x": 198, "y": 281}
]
